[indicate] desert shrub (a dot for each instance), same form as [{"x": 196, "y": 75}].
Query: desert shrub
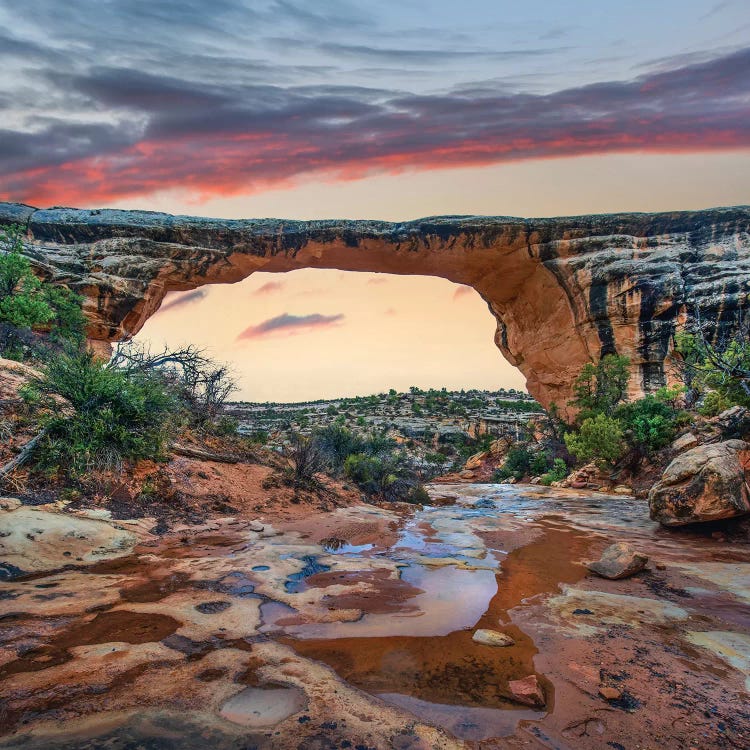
[
  {"x": 336, "y": 444},
  {"x": 601, "y": 387},
  {"x": 539, "y": 463},
  {"x": 28, "y": 303},
  {"x": 305, "y": 462},
  {"x": 225, "y": 426},
  {"x": 517, "y": 463},
  {"x": 109, "y": 416},
  {"x": 600, "y": 438},
  {"x": 387, "y": 475},
  {"x": 201, "y": 384},
  {"x": 717, "y": 366},
  {"x": 648, "y": 423},
  {"x": 557, "y": 473},
  {"x": 713, "y": 403}
]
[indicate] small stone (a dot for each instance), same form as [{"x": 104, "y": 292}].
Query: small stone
[
  {"x": 684, "y": 442},
  {"x": 660, "y": 566},
  {"x": 527, "y": 691},
  {"x": 609, "y": 693},
  {"x": 623, "y": 489},
  {"x": 256, "y": 525},
  {"x": 492, "y": 638},
  {"x": 618, "y": 561}
]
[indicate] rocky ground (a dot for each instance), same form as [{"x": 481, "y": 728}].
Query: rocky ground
[{"x": 282, "y": 625}]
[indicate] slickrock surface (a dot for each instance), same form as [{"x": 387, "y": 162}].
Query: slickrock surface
[{"x": 563, "y": 291}]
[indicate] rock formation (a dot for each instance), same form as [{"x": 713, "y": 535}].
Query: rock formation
[
  {"x": 564, "y": 291},
  {"x": 707, "y": 483}
]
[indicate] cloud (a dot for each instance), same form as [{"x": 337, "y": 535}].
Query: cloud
[
  {"x": 462, "y": 291},
  {"x": 196, "y": 106},
  {"x": 291, "y": 324},
  {"x": 183, "y": 298},
  {"x": 270, "y": 287}
]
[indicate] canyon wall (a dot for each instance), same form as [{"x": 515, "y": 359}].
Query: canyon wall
[{"x": 563, "y": 291}]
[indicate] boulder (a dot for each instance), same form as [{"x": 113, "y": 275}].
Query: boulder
[
  {"x": 527, "y": 691},
  {"x": 618, "y": 561},
  {"x": 706, "y": 483},
  {"x": 476, "y": 461},
  {"x": 684, "y": 442},
  {"x": 492, "y": 638}
]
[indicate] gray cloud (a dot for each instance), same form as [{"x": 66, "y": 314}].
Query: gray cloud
[
  {"x": 290, "y": 324},
  {"x": 185, "y": 298}
]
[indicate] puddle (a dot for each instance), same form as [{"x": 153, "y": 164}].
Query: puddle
[
  {"x": 261, "y": 708},
  {"x": 296, "y": 581},
  {"x": 340, "y": 547},
  {"x": 461, "y": 721}
]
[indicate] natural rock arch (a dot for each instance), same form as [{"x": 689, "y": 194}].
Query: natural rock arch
[{"x": 563, "y": 291}]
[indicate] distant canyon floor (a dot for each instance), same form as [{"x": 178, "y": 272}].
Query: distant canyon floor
[{"x": 353, "y": 628}]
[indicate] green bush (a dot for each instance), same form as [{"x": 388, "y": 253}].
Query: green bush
[
  {"x": 714, "y": 403},
  {"x": 517, "y": 463},
  {"x": 717, "y": 368},
  {"x": 557, "y": 473},
  {"x": 386, "y": 475},
  {"x": 601, "y": 387},
  {"x": 649, "y": 423},
  {"x": 539, "y": 464},
  {"x": 110, "y": 415},
  {"x": 27, "y": 303},
  {"x": 336, "y": 444},
  {"x": 600, "y": 438}
]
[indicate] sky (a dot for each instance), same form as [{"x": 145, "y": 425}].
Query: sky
[{"x": 387, "y": 110}]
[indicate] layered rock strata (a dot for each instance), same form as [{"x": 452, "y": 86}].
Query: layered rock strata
[{"x": 563, "y": 291}]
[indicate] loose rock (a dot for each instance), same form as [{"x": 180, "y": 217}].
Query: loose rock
[
  {"x": 618, "y": 561},
  {"x": 527, "y": 691},
  {"x": 492, "y": 638}
]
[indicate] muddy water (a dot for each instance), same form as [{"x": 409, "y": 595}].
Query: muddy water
[{"x": 319, "y": 639}]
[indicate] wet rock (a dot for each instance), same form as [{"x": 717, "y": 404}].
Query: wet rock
[
  {"x": 684, "y": 442},
  {"x": 39, "y": 539},
  {"x": 492, "y": 638},
  {"x": 527, "y": 691},
  {"x": 707, "y": 483},
  {"x": 618, "y": 561},
  {"x": 484, "y": 502}
]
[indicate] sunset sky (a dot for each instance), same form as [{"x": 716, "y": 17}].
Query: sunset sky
[{"x": 388, "y": 110}]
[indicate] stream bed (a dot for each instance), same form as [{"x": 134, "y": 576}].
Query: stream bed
[{"x": 353, "y": 629}]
